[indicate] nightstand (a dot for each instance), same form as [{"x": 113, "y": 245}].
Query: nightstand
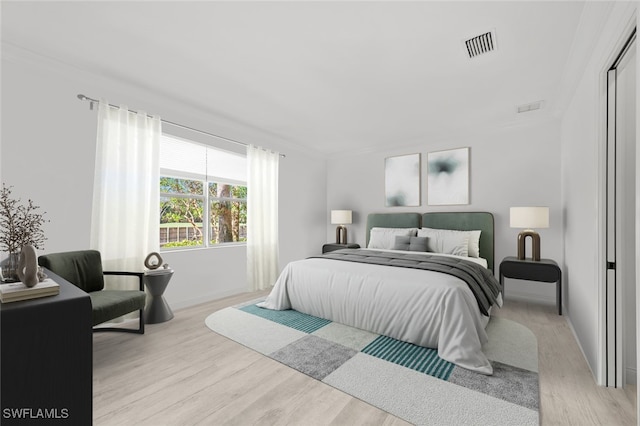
[
  {"x": 545, "y": 270},
  {"x": 335, "y": 246}
]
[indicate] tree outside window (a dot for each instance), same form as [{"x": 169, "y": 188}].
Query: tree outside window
[
  {"x": 228, "y": 212},
  {"x": 184, "y": 208}
]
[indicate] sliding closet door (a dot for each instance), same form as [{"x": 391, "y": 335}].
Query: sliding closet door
[
  {"x": 621, "y": 217},
  {"x": 611, "y": 288},
  {"x": 627, "y": 169}
]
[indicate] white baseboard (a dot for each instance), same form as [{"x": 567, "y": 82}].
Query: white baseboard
[
  {"x": 204, "y": 298},
  {"x": 630, "y": 373},
  {"x": 575, "y": 337}
]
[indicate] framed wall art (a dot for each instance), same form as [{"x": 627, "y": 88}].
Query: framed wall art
[
  {"x": 448, "y": 177},
  {"x": 402, "y": 180}
]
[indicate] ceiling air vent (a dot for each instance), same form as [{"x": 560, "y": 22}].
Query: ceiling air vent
[
  {"x": 478, "y": 45},
  {"x": 529, "y": 107}
]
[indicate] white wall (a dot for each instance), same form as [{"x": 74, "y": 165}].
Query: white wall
[
  {"x": 517, "y": 166},
  {"x": 582, "y": 185},
  {"x": 47, "y": 154}
]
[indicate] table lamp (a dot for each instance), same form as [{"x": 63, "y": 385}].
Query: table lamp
[
  {"x": 341, "y": 218},
  {"x": 529, "y": 218}
]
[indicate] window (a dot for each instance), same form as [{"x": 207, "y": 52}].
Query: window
[{"x": 203, "y": 195}]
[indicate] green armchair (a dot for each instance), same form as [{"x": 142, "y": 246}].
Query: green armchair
[{"x": 84, "y": 270}]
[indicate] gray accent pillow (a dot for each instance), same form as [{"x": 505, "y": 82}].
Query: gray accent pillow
[
  {"x": 384, "y": 238},
  {"x": 410, "y": 243}
]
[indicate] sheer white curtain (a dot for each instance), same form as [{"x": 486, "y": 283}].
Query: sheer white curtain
[
  {"x": 125, "y": 215},
  {"x": 262, "y": 217}
]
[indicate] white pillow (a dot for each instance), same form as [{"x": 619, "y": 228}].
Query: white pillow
[
  {"x": 448, "y": 241},
  {"x": 474, "y": 243},
  {"x": 385, "y": 238}
]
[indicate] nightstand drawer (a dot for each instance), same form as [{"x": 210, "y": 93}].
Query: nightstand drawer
[
  {"x": 334, "y": 246},
  {"x": 530, "y": 271}
]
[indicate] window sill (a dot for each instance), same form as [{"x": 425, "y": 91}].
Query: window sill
[{"x": 189, "y": 248}]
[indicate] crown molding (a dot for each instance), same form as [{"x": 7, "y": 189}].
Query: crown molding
[
  {"x": 198, "y": 116},
  {"x": 588, "y": 44},
  {"x": 456, "y": 136}
]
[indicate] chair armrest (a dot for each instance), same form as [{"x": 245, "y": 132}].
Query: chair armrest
[{"x": 140, "y": 276}]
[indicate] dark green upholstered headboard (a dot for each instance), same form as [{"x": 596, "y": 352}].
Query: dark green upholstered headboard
[
  {"x": 466, "y": 221},
  {"x": 460, "y": 221},
  {"x": 392, "y": 220}
]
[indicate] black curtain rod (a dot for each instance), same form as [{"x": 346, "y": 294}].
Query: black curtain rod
[{"x": 95, "y": 101}]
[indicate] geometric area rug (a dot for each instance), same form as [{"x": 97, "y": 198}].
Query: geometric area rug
[{"x": 408, "y": 381}]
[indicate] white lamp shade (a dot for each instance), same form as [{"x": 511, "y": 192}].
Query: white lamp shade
[
  {"x": 529, "y": 217},
  {"x": 340, "y": 217}
]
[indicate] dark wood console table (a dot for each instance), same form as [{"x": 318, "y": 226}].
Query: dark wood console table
[{"x": 46, "y": 365}]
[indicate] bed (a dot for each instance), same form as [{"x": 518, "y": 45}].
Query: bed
[{"x": 393, "y": 287}]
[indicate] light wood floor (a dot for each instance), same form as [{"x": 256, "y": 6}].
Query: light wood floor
[{"x": 181, "y": 373}]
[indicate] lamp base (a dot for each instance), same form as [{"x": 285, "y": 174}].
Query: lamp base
[
  {"x": 535, "y": 245},
  {"x": 341, "y": 234}
]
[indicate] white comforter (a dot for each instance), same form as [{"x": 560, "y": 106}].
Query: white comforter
[{"x": 426, "y": 308}]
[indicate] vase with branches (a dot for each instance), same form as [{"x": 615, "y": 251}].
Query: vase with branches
[{"x": 21, "y": 224}]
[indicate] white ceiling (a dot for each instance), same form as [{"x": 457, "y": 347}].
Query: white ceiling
[{"x": 333, "y": 76}]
